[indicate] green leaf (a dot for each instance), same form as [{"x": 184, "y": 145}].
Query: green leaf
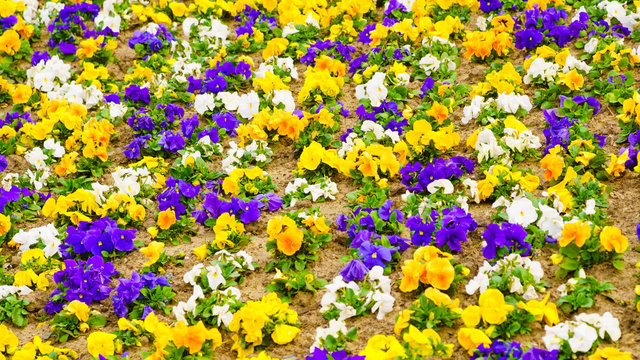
[
  {"x": 618, "y": 264},
  {"x": 97, "y": 321}
]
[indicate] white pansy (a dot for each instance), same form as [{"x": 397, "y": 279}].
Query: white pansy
[
  {"x": 190, "y": 276},
  {"x": 204, "y": 103},
  {"x": 55, "y": 146},
  {"x": 383, "y": 304},
  {"x": 444, "y": 184},
  {"x": 516, "y": 286},
  {"x": 550, "y": 221},
  {"x": 591, "y": 46},
  {"x": 583, "y": 338},
  {"x": 522, "y": 212},
  {"x": 224, "y": 315},
  {"x": 36, "y": 157},
  {"x": 249, "y": 105},
  {"x": 284, "y": 97},
  {"x": 374, "y": 89},
  {"x": 512, "y": 102},
  {"x": 545, "y": 70},
  {"x": 590, "y": 207},
  {"x": 214, "y": 277}
]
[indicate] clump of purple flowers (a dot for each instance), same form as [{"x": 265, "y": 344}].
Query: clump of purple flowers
[
  {"x": 70, "y": 23},
  {"x": 505, "y": 239},
  {"x": 132, "y": 291},
  {"x": 85, "y": 281},
  {"x": 374, "y": 238},
  {"x": 566, "y": 122},
  {"x": 546, "y": 25},
  {"x": 15, "y": 120},
  {"x": 18, "y": 198},
  {"x": 511, "y": 350},
  {"x": 252, "y": 19},
  {"x": 179, "y": 196},
  {"x": 323, "y": 354},
  {"x": 151, "y": 127},
  {"x": 417, "y": 177},
  {"x": 333, "y": 49},
  {"x": 149, "y": 42},
  {"x": 246, "y": 210},
  {"x": 447, "y": 230},
  {"x": 360, "y": 63},
  {"x": 382, "y": 220},
  {"x": 97, "y": 237},
  {"x": 223, "y": 76},
  {"x": 387, "y": 115}
]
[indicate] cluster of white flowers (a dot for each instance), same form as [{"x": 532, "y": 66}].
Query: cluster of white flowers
[
  {"x": 325, "y": 189},
  {"x": 6, "y": 290},
  {"x": 216, "y": 33},
  {"x": 511, "y": 103},
  {"x": 335, "y": 329},
  {"x": 430, "y": 64},
  {"x": 616, "y": 10},
  {"x": 43, "y": 16},
  {"x": 246, "y": 105},
  {"x": 520, "y": 141},
  {"x": 108, "y": 17},
  {"x": 379, "y": 296},
  {"x": 241, "y": 260},
  {"x": 571, "y": 63},
  {"x": 183, "y": 68},
  {"x": 129, "y": 180},
  {"x": 487, "y": 146},
  {"x": 46, "y": 235},
  {"x": 374, "y": 89},
  {"x": 52, "y": 77},
  {"x": 539, "y": 67},
  {"x": 379, "y": 131},
  {"x": 257, "y": 150},
  {"x": 291, "y": 29},
  {"x": 47, "y": 75},
  {"x": 490, "y": 147},
  {"x": 474, "y": 109},
  {"x": 582, "y": 332},
  {"x": 547, "y": 71},
  {"x": 284, "y": 63},
  {"x": 522, "y": 211},
  {"x": 503, "y": 267}
]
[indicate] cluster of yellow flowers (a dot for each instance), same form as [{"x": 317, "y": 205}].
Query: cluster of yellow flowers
[
  {"x": 482, "y": 44},
  {"x": 266, "y": 122},
  {"x": 486, "y": 186},
  {"x": 492, "y": 310},
  {"x": 429, "y": 266},
  {"x": 70, "y": 115},
  {"x": 252, "y": 322},
  {"x": 423, "y": 138},
  {"x": 286, "y": 233},
  {"x": 34, "y": 349},
  {"x": 237, "y": 178},
  {"x": 226, "y": 227},
  {"x": 193, "y": 338},
  {"x": 325, "y": 79}
]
